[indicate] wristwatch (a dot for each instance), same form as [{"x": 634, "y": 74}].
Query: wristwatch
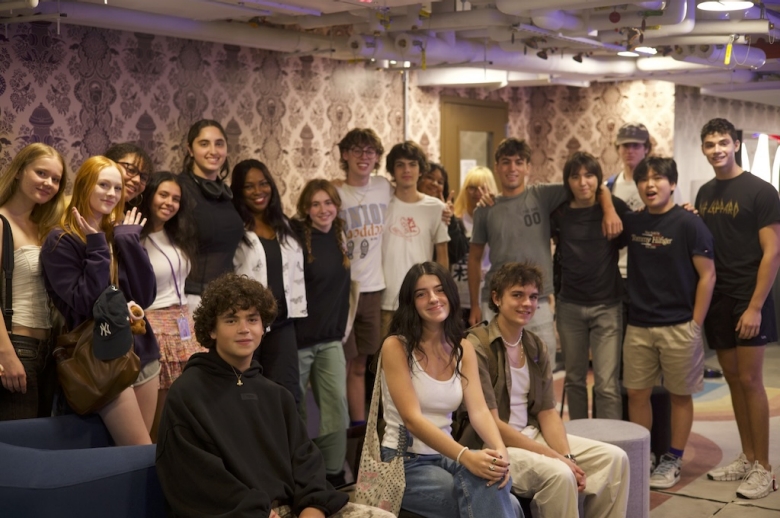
[{"x": 570, "y": 457}]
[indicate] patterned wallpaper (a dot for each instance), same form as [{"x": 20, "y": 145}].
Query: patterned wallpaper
[
  {"x": 693, "y": 110},
  {"x": 559, "y": 120},
  {"x": 87, "y": 88}
]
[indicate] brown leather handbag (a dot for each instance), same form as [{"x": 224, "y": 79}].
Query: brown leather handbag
[{"x": 89, "y": 383}]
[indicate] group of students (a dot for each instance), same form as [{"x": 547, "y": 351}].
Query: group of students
[{"x": 173, "y": 239}]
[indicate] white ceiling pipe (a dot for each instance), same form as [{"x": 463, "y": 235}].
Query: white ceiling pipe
[
  {"x": 22, "y": 4},
  {"x": 410, "y": 46},
  {"x": 655, "y": 32},
  {"x": 360, "y": 46},
  {"x": 109, "y": 17},
  {"x": 474, "y": 19},
  {"x": 666, "y": 64},
  {"x": 557, "y": 20},
  {"x": 516, "y": 7},
  {"x": 741, "y": 56},
  {"x": 728, "y": 27},
  {"x": 328, "y": 20},
  {"x": 675, "y": 13},
  {"x": 689, "y": 40}
]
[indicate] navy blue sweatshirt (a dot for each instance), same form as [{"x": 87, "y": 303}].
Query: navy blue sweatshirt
[{"x": 76, "y": 273}]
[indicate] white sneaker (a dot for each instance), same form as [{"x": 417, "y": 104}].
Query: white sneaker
[
  {"x": 758, "y": 483},
  {"x": 667, "y": 473},
  {"x": 736, "y": 470}
]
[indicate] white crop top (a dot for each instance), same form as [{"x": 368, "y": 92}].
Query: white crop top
[
  {"x": 30, "y": 301},
  {"x": 439, "y": 399}
]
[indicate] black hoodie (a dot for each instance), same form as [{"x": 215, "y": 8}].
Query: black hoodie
[{"x": 227, "y": 450}]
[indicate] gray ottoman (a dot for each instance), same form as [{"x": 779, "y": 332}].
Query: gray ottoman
[{"x": 635, "y": 441}]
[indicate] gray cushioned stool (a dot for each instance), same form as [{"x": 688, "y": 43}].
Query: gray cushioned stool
[{"x": 635, "y": 441}]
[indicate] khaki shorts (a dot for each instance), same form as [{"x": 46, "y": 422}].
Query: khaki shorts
[
  {"x": 365, "y": 337},
  {"x": 148, "y": 372},
  {"x": 676, "y": 352}
]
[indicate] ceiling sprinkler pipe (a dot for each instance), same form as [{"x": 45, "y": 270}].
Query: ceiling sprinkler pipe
[{"x": 22, "y": 4}]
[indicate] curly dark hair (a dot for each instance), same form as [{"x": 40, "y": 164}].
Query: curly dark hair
[
  {"x": 719, "y": 126},
  {"x": 513, "y": 274},
  {"x": 180, "y": 228},
  {"x": 513, "y": 147},
  {"x": 408, "y": 150},
  {"x": 119, "y": 151},
  {"x": 406, "y": 320},
  {"x": 231, "y": 292}
]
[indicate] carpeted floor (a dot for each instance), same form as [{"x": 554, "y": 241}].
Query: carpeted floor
[{"x": 715, "y": 440}]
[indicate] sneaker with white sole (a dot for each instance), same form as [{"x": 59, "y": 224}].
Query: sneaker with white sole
[
  {"x": 735, "y": 470},
  {"x": 758, "y": 483},
  {"x": 667, "y": 473}
]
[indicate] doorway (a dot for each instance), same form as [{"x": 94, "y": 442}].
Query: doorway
[{"x": 471, "y": 130}]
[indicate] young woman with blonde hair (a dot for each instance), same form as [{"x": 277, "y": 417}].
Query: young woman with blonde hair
[
  {"x": 77, "y": 264},
  {"x": 31, "y": 200},
  {"x": 320, "y": 351},
  {"x": 478, "y": 182}
]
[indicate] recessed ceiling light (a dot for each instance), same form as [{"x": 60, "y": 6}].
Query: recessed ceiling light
[
  {"x": 646, "y": 50},
  {"x": 627, "y": 54},
  {"x": 724, "y": 5}
]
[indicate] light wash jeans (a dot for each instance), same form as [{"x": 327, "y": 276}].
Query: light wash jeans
[
  {"x": 598, "y": 330},
  {"x": 438, "y": 487},
  {"x": 324, "y": 365}
]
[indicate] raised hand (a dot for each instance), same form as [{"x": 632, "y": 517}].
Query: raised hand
[
  {"x": 85, "y": 227},
  {"x": 133, "y": 217}
]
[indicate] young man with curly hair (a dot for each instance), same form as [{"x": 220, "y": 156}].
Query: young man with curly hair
[{"x": 231, "y": 441}]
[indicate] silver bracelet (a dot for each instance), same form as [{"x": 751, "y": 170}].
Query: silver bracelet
[{"x": 457, "y": 459}]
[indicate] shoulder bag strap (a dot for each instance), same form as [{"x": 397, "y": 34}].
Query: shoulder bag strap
[{"x": 8, "y": 272}]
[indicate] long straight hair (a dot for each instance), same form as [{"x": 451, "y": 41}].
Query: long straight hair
[
  {"x": 83, "y": 186},
  {"x": 304, "y": 204},
  {"x": 179, "y": 228},
  {"x": 407, "y": 322},
  {"x": 274, "y": 214},
  {"x": 46, "y": 215}
]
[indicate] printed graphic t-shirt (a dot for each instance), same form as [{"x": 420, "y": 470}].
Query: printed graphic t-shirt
[
  {"x": 363, "y": 210},
  {"x": 661, "y": 276},
  {"x": 735, "y": 210},
  {"x": 411, "y": 232}
]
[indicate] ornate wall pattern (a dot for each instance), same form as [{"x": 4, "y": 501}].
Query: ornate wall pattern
[
  {"x": 693, "y": 110},
  {"x": 559, "y": 120},
  {"x": 87, "y": 88}
]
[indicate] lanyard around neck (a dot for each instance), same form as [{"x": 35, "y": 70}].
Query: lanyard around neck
[{"x": 178, "y": 257}]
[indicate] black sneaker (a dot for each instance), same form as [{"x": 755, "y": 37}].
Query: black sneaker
[{"x": 712, "y": 373}]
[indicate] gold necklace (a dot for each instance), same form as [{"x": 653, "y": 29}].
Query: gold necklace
[{"x": 238, "y": 377}]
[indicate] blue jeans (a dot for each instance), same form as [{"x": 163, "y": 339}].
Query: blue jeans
[
  {"x": 325, "y": 366},
  {"x": 598, "y": 330},
  {"x": 438, "y": 487}
]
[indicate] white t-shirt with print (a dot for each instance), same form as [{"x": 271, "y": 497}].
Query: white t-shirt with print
[
  {"x": 411, "y": 231},
  {"x": 363, "y": 210}
]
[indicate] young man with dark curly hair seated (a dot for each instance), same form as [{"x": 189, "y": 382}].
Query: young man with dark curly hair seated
[{"x": 230, "y": 441}]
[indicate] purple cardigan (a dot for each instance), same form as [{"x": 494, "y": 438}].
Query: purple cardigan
[{"x": 75, "y": 274}]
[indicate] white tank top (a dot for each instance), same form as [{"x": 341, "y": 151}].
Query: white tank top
[
  {"x": 438, "y": 399},
  {"x": 31, "y": 304}
]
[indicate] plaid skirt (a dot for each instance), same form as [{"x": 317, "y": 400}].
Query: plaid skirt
[{"x": 174, "y": 352}]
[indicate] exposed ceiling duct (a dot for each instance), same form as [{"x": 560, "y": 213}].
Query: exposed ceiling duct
[{"x": 528, "y": 41}]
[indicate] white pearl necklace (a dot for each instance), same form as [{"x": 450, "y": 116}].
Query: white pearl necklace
[{"x": 514, "y": 344}]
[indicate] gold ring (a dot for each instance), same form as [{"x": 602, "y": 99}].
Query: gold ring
[
  {"x": 492, "y": 467},
  {"x": 494, "y": 460}
]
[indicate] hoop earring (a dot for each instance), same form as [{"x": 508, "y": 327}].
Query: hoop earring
[{"x": 134, "y": 203}]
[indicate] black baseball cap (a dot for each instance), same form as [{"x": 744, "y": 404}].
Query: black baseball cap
[
  {"x": 632, "y": 133},
  {"x": 111, "y": 337}
]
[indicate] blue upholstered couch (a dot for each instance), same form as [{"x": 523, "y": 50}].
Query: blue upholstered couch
[{"x": 67, "y": 466}]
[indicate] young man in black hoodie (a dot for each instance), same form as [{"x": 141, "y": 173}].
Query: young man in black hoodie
[{"x": 231, "y": 441}]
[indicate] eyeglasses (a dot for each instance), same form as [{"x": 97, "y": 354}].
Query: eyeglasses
[
  {"x": 368, "y": 152},
  {"x": 133, "y": 171}
]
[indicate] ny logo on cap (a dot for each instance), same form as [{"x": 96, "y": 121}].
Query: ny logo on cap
[{"x": 105, "y": 330}]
